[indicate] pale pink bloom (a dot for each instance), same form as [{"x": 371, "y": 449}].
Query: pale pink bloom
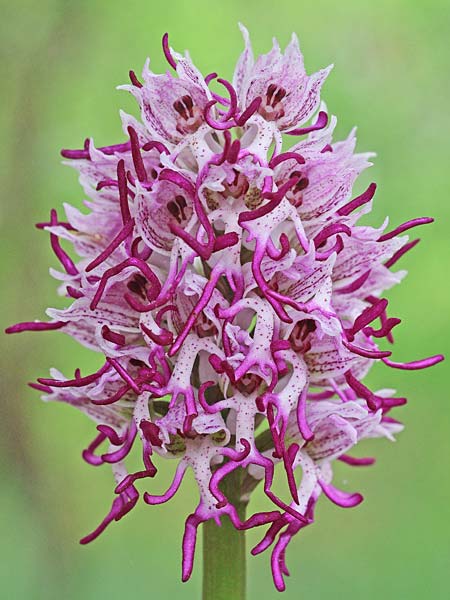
[{"x": 236, "y": 300}]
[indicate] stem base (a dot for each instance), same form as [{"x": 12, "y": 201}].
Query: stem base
[{"x": 224, "y": 559}]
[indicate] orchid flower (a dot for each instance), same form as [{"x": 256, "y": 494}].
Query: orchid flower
[{"x": 236, "y": 300}]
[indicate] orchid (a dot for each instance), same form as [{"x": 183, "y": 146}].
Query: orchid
[{"x": 236, "y": 299}]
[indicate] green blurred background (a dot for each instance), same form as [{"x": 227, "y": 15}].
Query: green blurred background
[{"x": 61, "y": 61}]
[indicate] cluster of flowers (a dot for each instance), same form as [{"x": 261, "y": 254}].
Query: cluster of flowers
[{"x": 232, "y": 293}]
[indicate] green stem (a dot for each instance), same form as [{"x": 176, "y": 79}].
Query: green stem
[{"x": 224, "y": 560}]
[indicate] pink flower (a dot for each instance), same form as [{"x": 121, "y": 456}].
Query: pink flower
[
  {"x": 286, "y": 95},
  {"x": 229, "y": 288}
]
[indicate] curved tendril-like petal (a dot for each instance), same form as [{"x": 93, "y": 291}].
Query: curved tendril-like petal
[
  {"x": 356, "y": 462},
  {"x": 120, "y": 237},
  {"x": 339, "y": 497},
  {"x": 172, "y": 490},
  {"x": 358, "y": 201},
  {"x": 85, "y": 153},
  {"x": 400, "y": 252},
  {"x": 280, "y": 158},
  {"x": 167, "y": 52},
  {"x": 404, "y": 227},
  {"x": 218, "y": 125},
  {"x": 232, "y": 101},
  {"x": 321, "y": 122},
  {"x": 424, "y": 363},
  {"x": 35, "y": 326},
  {"x": 189, "y": 543},
  {"x": 251, "y": 109}
]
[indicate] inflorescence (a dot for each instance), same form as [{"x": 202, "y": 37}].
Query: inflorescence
[{"x": 237, "y": 302}]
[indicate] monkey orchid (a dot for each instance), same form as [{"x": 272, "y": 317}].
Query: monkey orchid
[{"x": 236, "y": 300}]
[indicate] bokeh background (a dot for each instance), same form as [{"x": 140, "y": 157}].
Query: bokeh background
[{"x": 61, "y": 61}]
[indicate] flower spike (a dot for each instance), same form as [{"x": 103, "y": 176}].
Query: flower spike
[{"x": 234, "y": 296}]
